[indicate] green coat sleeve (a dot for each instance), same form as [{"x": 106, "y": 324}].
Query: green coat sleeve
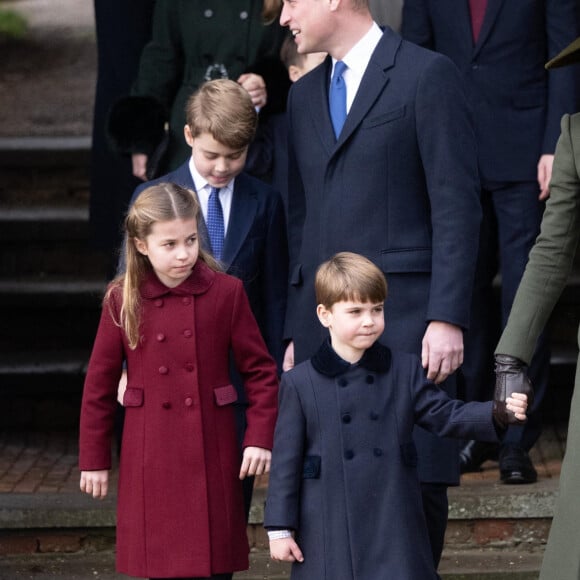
[{"x": 552, "y": 256}]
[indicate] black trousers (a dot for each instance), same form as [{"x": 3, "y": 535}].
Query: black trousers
[{"x": 214, "y": 577}]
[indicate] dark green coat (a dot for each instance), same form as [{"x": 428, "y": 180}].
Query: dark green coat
[
  {"x": 191, "y": 38},
  {"x": 546, "y": 274}
]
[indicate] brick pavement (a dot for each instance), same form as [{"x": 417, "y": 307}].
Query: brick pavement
[{"x": 46, "y": 462}]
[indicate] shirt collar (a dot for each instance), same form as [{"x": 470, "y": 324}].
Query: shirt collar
[
  {"x": 358, "y": 57},
  {"x": 200, "y": 183},
  {"x": 377, "y": 359}
]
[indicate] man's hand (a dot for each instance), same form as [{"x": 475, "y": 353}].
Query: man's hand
[
  {"x": 442, "y": 350},
  {"x": 288, "y": 362},
  {"x": 545, "y": 165},
  {"x": 95, "y": 483},
  {"x": 285, "y": 550},
  {"x": 255, "y": 461},
  {"x": 139, "y": 161}
]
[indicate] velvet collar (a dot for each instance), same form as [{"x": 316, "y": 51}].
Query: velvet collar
[
  {"x": 199, "y": 281},
  {"x": 377, "y": 359}
]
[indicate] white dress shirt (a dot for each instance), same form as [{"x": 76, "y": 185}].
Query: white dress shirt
[
  {"x": 357, "y": 60},
  {"x": 203, "y": 189}
]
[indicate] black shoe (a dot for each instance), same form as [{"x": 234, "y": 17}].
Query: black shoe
[
  {"x": 474, "y": 453},
  {"x": 515, "y": 466}
]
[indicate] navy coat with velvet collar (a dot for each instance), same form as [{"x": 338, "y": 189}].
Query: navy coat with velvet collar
[
  {"x": 344, "y": 465},
  {"x": 400, "y": 187},
  {"x": 255, "y": 250}
]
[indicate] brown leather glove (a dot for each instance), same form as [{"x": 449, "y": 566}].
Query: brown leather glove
[{"x": 509, "y": 378}]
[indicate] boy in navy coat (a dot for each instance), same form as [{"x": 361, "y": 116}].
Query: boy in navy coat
[
  {"x": 221, "y": 123},
  {"x": 344, "y": 498}
]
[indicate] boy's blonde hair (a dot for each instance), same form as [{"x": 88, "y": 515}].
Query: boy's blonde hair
[
  {"x": 158, "y": 203},
  {"x": 349, "y": 276},
  {"x": 224, "y": 109}
]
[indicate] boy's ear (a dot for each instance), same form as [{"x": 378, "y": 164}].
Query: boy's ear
[
  {"x": 140, "y": 245},
  {"x": 323, "y": 315},
  {"x": 188, "y": 135}
]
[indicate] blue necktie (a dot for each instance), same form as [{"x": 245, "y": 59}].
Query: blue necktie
[
  {"x": 215, "y": 223},
  {"x": 337, "y": 98}
]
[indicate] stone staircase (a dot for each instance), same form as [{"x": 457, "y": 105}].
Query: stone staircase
[{"x": 51, "y": 285}]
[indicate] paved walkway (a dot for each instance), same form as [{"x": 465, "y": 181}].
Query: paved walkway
[{"x": 45, "y": 462}]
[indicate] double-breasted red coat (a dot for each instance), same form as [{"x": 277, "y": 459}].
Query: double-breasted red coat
[{"x": 180, "y": 507}]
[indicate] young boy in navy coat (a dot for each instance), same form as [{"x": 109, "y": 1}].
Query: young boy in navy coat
[{"x": 344, "y": 499}]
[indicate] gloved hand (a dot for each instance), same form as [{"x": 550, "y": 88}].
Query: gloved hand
[{"x": 509, "y": 378}]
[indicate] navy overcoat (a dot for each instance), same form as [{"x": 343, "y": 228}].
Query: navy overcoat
[
  {"x": 400, "y": 187},
  {"x": 344, "y": 471}
]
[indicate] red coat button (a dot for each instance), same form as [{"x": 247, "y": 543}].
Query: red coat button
[
  {"x": 160, "y": 337},
  {"x": 188, "y": 333},
  {"x": 159, "y": 303},
  {"x": 188, "y": 402},
  {"x": 189, "y": 367},
  {"x": 163, "y": 370},
  {"x": 166, "y": 405},
  {"x": 186, "y": 300}
]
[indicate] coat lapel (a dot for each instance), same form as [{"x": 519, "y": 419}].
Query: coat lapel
[
  {"x": 244, "y": 208},
  {"x": 373, "y": 83},
  {"x": 319, "y": 102},
  {"x": 491, "y": 12}
]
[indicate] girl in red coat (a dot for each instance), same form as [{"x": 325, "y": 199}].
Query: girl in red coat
[{"x": 174, "y": 320}]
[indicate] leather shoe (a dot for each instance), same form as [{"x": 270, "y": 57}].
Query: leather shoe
[
  {"x": 474, "y": 453},
  {"x": 515, "y": 466}
]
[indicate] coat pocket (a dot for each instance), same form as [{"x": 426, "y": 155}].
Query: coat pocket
[
  {"x": 296, "y": 275},
  {"x": 409, "y": 454},
  {"x": 406, "y": 260},
  {"x": 225, "y": 395},
  {"x": 384, "y": 118},
  {"x": 133, "y": 397},
  {"x": 311, "y": 467}
]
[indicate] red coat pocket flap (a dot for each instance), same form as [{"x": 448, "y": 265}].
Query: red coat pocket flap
[
  {"x": 225, "y": 395},
  {"x": 133, "y": 397}
]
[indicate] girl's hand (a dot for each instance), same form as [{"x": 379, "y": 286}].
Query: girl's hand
[
  {"x": 256, "y": 461},
  {"x": 517, "y": 404},
  {"x": 285, "y": 550},
  {"x": 95, "y": 483}
]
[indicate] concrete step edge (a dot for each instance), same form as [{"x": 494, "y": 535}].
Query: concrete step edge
[{"x": 45, "y": 151}]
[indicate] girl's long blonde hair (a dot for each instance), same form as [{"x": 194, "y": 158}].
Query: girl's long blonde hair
[{"x": 158, "y": 203}]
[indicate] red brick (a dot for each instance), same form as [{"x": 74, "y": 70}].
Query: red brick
[
  {"x": 18, "y": 545},
  {"x": 51, "y": 542},
  {"x": 493, "y": 531}
]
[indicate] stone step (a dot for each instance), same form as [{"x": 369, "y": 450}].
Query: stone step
[
  {"x": 100, "y": 564},
  {"x": 34, "y": 152}
]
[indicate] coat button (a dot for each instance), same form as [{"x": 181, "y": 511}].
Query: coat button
[
  {"x": 189, "y": 367},
  {"x": 208, "y": 13},
  {"x": 377, "y": 452},
  {"x": 346, "y": 418},
  {"x": 243, "y": 15},
  {"x": 374, "y": 416},
  {"x": 188, "y": 402},
  {"x": 342, "y": 382},
  {"x": 186, "y": 300},
  {"x": 166, "y": 405},
  {"x": 188, "y": 333},
  {"x": 159, "y": 303},
  {"x": 370, "y": 379},
  {"x": 160, "y": 337},
  {"x": 349, "y": 454},
  {"x": 163, "y": 370}
]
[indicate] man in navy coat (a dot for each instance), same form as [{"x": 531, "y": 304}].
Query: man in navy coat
[
  {"x": 500, "y": 47},
  {"x": 398, "y": 184}
]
